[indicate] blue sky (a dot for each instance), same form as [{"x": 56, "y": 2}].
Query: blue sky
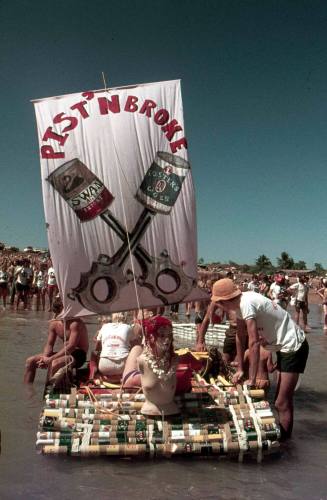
[{"x": 254, "y": 83}]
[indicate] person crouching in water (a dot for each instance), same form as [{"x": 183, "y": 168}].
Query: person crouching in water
[
  {"x": 266, "y": 324},
  {"x": 72, "y": 354},
  {"x": 265, "y": 367}
]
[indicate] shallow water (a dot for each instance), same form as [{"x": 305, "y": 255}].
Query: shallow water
[{"x": 298, "y": 472}]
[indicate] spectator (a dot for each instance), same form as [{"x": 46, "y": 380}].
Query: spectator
[
  {"x": 253, "y": 285},
  {"x": 24, "y": 277},
  {"x": 301, "y": 291},
  {"x": 4, "y": 281},
  {"x": 40, "y": 283},
  {"x": 322, "y": 292},
  {"x": 52, "y": 285},
  {"x": 264, "y": 285},
  {"x": 278, "y": 291}
]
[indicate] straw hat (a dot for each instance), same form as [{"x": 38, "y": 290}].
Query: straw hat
[{"x": 224, "y": 289}]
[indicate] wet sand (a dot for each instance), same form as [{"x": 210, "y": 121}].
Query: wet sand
[{"x": 299, "y": 472}]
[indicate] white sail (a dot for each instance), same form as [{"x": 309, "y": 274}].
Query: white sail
[{"x": 118, "y": 198}]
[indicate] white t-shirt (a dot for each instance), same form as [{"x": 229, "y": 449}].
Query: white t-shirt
[
  {"x": 115, "y": 339},
  {"x": 276, "y": 329},
  {"x": 4, "y": 277},
  {"x": 253, "y": 286},
  {"x": 301, "y": 291},
  {"x": 276, "y": 289},
  {"x": 51, "y": 276},
  {"x": 23, "y": 274},
  {"x": 40, "y": 279}
]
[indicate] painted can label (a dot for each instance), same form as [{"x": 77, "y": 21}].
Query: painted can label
[
  {"x": 82, "y": 190},
  {"x": 163, "y": 181}
]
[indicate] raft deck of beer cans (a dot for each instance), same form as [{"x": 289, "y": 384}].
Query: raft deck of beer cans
[{"x": 216, "y": 419}]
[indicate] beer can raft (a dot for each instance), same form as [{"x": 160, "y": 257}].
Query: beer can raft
[
  {"x": 163, "y": 182},
  {"x": 81, "y": 189}
]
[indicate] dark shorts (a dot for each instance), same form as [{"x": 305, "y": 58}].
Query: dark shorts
[
  {"x": 80, "y": 357},
  {"x": 21, "y": 288},
  {"x": 4, "y": 286},
  {"x": 199, "y": 318},
  {"x": 301, "y": 305},
  {"x": 293, "y": 362},
  {"x": 230, "y": 346}
]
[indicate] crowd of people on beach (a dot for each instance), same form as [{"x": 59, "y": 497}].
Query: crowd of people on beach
[
  {"x": 26, "y": 280},
  {"x": 287, "y": 292},
  {"x": 255, "y": 308}
]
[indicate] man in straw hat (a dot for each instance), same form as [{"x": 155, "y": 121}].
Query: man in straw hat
[{"x": 269, "y": 325}]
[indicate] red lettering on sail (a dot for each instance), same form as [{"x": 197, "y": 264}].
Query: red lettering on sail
[
  {"x": 161, "y": 117},
  {"x": 50, "y": 134},
  {"x": 106, "y": 105},
  {"x": 88, "y": 95},
  {"x": 130, "y": 104},
  {"x": 61, "y": 118},
  {"x": 48, "y": 152},
  {"x": 147, "y": 106},
  {"x": 171, "y": 128},
  {"x": 80, "y": 106},
  {"x": 181, "y": 143}
]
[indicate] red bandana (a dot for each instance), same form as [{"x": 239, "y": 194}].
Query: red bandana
[{"x": 152, "y": 325}]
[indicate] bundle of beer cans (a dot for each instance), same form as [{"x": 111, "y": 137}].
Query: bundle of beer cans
[{"x": 215, "y": 419}]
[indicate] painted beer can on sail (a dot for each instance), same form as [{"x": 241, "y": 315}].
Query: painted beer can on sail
[
  {"x": 82, "y": 190},
  {"x": 163, "y": 182}
]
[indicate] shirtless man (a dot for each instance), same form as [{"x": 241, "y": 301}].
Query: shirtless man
[
  {"x": 231, "y": 339},
  {"x": 73, "y": 352},
  {"x": 265, "y": 366},
  {"x": 200, "y": 311}
]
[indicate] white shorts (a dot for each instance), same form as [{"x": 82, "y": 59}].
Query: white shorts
[{"x": 112, "y": 366}]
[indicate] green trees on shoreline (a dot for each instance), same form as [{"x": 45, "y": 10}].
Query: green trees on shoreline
[{"x": 264, "y": 264}]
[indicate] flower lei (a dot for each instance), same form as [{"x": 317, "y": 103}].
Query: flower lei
[{"x": 160, "y": 366}]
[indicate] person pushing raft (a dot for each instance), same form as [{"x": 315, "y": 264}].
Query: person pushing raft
[{"x": 268, "y": 325}]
